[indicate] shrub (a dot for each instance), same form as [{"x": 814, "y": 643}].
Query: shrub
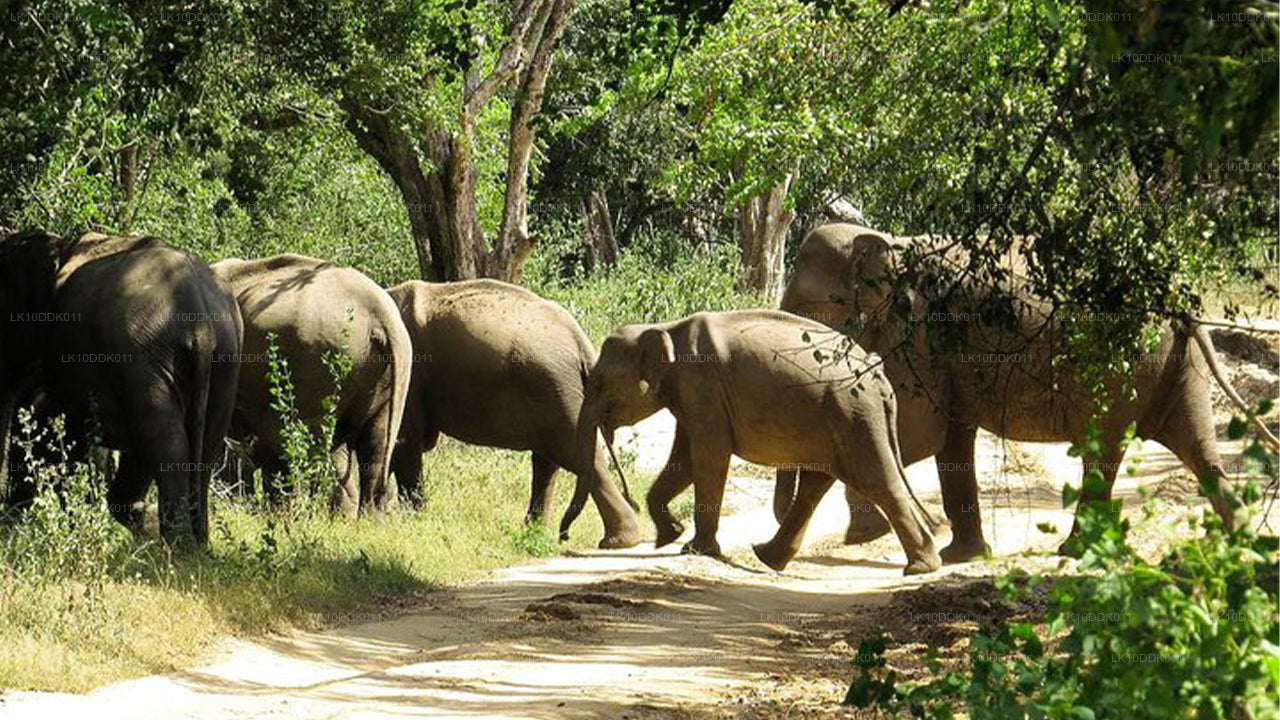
[
  {"x": 1192, "y": 635},
  {"x": 657, "y": 279}
]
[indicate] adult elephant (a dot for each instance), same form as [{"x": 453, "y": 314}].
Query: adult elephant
[
  {"x": 496, "y": 365},
  {"x": 123, "y": 336},
  {"x": 750, "y": 383},
  {"x": 962, "y": 356},
  {"x": 318, "y": 312}
]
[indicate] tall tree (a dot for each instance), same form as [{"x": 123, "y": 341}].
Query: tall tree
[{"x": 420, "y": 86}]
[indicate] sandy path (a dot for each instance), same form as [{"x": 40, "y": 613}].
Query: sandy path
[{"x": 632, "y": 634}]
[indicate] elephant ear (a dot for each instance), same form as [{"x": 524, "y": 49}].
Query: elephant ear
[
  {"x": 29, "y": 263},
  {"x": 657, "y": 353},
  {"x": 871, "y": 267}
]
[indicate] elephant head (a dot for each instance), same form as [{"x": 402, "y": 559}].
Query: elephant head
[
  {"x": 29, "y": 263},
  {"x": 843, "y": 277},
  {"x": 624, "y": 386}
]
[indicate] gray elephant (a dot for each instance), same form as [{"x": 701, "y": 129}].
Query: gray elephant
[
  {"x": 496, "y": 365},
  {"x": 316, "y": 309},
  {"x": 772, "y": 388},
  {"x": 999, "y": 376},
  {"x": 123, "y": 337}
]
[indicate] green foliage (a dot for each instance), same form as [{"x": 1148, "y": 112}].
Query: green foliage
[
  {"x": 66, "y": 532},
  {"x": 1191, "y": 635},
  {"x": 656, "y": 280},
  {"x": 533, "y": 539}
]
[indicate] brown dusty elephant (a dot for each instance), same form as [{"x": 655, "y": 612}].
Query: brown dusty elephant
[
  {"x": 496, "y": 365},
  {"x": 749, "y": 383},
  {"x": 122, "y": 336},
  {"x": 999, "y": 375},
  {"x": 316, "y": 309}
]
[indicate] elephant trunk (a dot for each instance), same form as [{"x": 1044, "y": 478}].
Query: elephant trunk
[{"x": 588, "y": 425}]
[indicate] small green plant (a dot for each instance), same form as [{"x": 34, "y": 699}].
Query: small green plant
[
  {"x": 533, "y": 539},
  {"x": 307, "y": 453},
  {"x": 66, "y": 532}
]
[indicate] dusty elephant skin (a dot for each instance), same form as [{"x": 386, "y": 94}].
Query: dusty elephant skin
[
  {"x": 123, "y": 337},
  {"x": 749, "y": 383},
  {"x": 315, "y": 309},
  {"x": 999, "y": 379},
  {"x": 496, "y": 365}
]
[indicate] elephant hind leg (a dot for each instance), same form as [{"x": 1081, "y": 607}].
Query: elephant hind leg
[
  {"x": 372, "y": 450},
  {"x": 881, "y": 481},
  {"x": 1189, "y": 433},
  {"x": 164, "y": 451},
  {"x": 126, "y": 497}
]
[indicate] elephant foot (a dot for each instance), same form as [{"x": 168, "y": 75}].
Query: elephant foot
[
  {"x": 697, "y": 546},
  {"x": 865, "y": 527},
  {"x": 668, "y": 534},
  {"x": 927, "y": 563},
  {"x": 771, "y": 556},
  {"x": 961, "y": 551},
  {"x": 625, "y": 538}
]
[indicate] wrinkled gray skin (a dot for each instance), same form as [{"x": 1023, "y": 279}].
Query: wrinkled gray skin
[
  {"x": 747, "y": 383},
  {"x": 131, "y": 358},
  {"x": 496, "y": 365},
  {"x": 843, "y": 275},
  {"x": 314, "y": 308}
]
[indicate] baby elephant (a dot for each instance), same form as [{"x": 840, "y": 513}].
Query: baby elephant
[{"x": 772, "y": 388}]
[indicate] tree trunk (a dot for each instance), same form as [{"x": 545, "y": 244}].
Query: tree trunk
[
  {"x": 441, "y": 203},
  {"x": 603, "y": 249},
  {"x": 387, "y": 144},
  {"x": 763, "y": 223},
  {"x": 513, "y": 244},
  {"x": 127, "y": 182}
]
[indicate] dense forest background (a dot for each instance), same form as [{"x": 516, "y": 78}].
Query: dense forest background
[{"x": 543, "y": 141}]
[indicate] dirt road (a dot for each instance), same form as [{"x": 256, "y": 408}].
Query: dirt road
[{"x": 635, "y": 634}]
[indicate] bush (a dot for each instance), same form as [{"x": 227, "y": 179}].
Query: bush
[
  {"x": 1192, "y": 635},
  {"x": 657, "y": 279}
]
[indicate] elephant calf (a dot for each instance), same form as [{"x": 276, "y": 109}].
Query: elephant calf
[
  {"x": 749, "y": 383},
  {"x": 497, "y": 365},
  {"x": 315, "y": 309}
]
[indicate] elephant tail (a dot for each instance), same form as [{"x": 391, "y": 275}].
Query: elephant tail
[
  {"x": 1201, "y": 336},
  {"x": 202, "y": 351},
  {"x": 891, "y": 423},
  {"x": 400, "y": 345}
]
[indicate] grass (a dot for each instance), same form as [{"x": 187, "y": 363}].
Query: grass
[{"x": 268, "y": 572}]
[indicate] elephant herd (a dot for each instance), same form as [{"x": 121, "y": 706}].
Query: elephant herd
[{"x": 148, "y": 351}]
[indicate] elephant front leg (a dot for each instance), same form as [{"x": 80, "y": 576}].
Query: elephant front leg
[
  {"x": 779, "y": 551},
  {"x": 1095, "y": 490},
  {"x": 959, "y": 482},
  {"x": 672, "y": 481},
  {"x": 866, "y": 523},
  {"x": 710, "y": 470},
  {"x": 542, "y": 489}
]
